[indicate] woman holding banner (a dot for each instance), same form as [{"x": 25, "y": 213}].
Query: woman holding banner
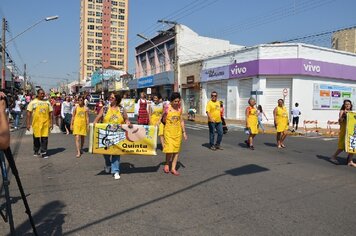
[
  {"x": 113, "y": 114},
  {"x": 79, "y": 124},
  {"x": 155, "y": 111},
  {"x": 174, "y": 130},
  {"x": 346, "y": 107}
]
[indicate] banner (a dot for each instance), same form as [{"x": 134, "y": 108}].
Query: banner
[
  {"x": 128, "y": 104},
  {"x": 327, "y": 96},
  {"x": 113, "y": 139},
  {"x": 350, "y": 137}
]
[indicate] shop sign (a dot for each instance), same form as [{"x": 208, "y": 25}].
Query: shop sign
[
  {"x": 190, "y": 79},
  {"x": 217, "y": 73},
  {"x": 145, "y": 82}
]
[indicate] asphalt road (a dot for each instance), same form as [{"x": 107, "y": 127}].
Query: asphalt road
[{"x": 235, "y": 191}]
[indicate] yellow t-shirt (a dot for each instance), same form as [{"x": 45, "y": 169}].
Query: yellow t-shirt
[
  {"x": 41, "y": 119},
  {"x": 213, "y": 108}
]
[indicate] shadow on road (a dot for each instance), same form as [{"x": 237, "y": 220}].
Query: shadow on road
[
  {"x": 48, "y": 220},
  {"x": 54, "y": 151},
  {"x": 271, "y": 144},
  {"x": 328, "y": 159},
  {"x": 243, "y": 170},
  {"x": 207, "y": 145}
]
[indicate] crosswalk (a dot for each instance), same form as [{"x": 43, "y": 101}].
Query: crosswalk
[{"x": 195, "y": 126}]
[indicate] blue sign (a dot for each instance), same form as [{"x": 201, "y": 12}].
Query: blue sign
[{"x": 145, "y": 82}]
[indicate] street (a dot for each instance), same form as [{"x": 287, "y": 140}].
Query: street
[{"x": 235, "y": 191}]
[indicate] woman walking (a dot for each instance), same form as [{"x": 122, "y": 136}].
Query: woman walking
[
  {"x": 261, "y": 113},
  {"x": 281, "y": 123},
  {"x": 155, "y": 113},
  {"x": 174, "y": 130},
  {"x": 16, "y": 111},
  {"x": 113, "y": 114},
  {"x": 142, "y": 112},
  {"x": 251, "y": 122},
  {"x": 66, "y": 113},
  {"x": 80, "y": 124},
  {"x": 346, "y": 107}
]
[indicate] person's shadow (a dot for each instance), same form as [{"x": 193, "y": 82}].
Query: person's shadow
[
  {"x": 340, "y": 161},
  {"x": 48, "y": 220},
  {"x": 54, "y": 151}
]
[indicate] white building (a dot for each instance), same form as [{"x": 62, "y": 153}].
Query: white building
[
  {"x": 319, "y": 79},
  {"x": 158, "y": 60}
]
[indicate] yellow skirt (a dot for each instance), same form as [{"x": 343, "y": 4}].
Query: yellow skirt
[
  {"x": 79, "y": 129},
  {"x": 172, "y": 141},
  {"x": 342, "y": 133},
  {"x": 160, "y": 129},
  {"x": 282, "y": 126}
]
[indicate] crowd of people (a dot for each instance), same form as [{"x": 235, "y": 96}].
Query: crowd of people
[{"x": 71, "y": 114}]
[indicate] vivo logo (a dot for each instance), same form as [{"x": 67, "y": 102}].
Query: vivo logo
[
  {"x": 311, "y": 68},
  {"x": 238, "y": 70}
]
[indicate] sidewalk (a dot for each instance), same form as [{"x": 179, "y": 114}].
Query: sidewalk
[{"x": 269, "y": 129}]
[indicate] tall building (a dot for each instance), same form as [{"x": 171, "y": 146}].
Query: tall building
[
  {"x": 103, "y": 36},
  {"x": 345, "y": 40}
]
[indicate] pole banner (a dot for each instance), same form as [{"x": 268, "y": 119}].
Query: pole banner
[{"x": 114, "y": 139}]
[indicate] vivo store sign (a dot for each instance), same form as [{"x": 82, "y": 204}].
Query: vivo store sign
[{"x": 311, "y": 67}]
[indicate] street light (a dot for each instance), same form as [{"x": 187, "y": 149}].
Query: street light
[{"x": 4, "y": 43}]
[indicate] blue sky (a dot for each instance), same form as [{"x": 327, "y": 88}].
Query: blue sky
[{"x": 51, "y": 49}]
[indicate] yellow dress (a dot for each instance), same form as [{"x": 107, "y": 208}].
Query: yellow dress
[
  {"x": 41, "y": 119},
  {"x": 342, "y": 133},
  {"x": 172, "y": 131},
  {"x": 252, "y": 120},
  {"x": 113, "y": 116},
  {"x": 156, "y": 114},
  {"x": 282, "y": 119},
  {"x": 80, "y": 121}
]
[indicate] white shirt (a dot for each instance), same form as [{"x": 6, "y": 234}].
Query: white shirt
[{"x": 295, "y": 112}]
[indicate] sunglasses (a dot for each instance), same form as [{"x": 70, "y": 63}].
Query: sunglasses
[{"x": 214, "y": 96}]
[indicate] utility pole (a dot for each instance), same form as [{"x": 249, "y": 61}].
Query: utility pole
[
  {"x": 24, "y": 78},
  {"x": 3, "y": 51}
]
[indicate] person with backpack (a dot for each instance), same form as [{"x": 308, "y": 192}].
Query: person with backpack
[{"x": 113, "y": 114}]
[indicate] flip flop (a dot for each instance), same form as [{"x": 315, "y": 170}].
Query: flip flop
[
  {"x": 174, "y": 172},
  {"x": 166, "y": 169}
]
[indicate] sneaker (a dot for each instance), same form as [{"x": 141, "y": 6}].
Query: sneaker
[
  {"x": 213, "y": 148},
  {"x": 36, "y": 154},
  {"x": 117, "y": 175},
  {"x": 44, "y": 155},
  {"x": 107, "y": 169},
  {"x": 218, "y": 147}
]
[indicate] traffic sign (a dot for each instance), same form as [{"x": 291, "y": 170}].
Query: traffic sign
[
  {"x": 285, "y": 92},
  {"x": 256, "y": 92}
]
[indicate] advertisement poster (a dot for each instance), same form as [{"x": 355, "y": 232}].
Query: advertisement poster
[
  {"x": 350, "y": 139},
  {"x": 113, "y": 139},
  {"x": 331, "y": 97}
]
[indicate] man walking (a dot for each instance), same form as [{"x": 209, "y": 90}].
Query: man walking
[
  {"x": 214, "y": 121},
  {"x": 295, "y": 114},
  {"x": 41, "y": 113}
]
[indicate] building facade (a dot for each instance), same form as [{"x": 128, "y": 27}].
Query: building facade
[
  {"x": 103, "y": 36},
  {"x": 317, "y": 78},
  {"x": 345, "y": 40},
  {"x": 159, "y": 59}
]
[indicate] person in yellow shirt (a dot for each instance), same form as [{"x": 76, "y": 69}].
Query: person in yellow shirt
[
  {"x": 40, "y": 111},
  {"x": 80, "y": 124},
  {"x": 174, "y": 132},
  {"x": 251, "y": 122},
  {"x": 214, "y": 121},
  {"x": 281, "y": 122}
]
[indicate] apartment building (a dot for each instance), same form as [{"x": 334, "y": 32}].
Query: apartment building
[
  {"x": 103, "y": 36},
  {"x": 345, "y": 40}
]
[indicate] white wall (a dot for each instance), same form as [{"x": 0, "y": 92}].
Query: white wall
[
  {"x": 232, "y": 101},
  {"x": 303, "y": 94}
]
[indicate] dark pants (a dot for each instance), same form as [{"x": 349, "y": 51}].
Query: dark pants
[
  {"x": 212, "y": 127},
  {"x": 40, "y": 144},
  {"x": 295, "y": 122}
]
